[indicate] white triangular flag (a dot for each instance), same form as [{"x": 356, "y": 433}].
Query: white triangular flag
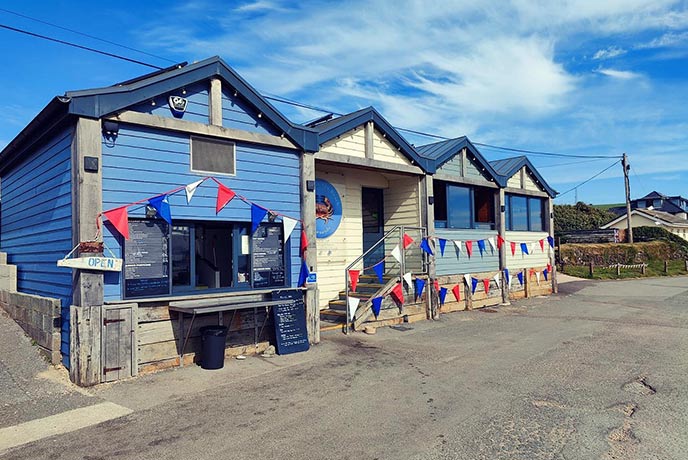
[
  {"x": 289, "y": 224},
  {"x": 531, "y": 248},
  {"x": 408, "y": 279},
  {"x": 491, "y": 240},
  {"x": 396, "y": 253},
  {"x": 353, "y": 306},
  {"x": 537, "y": 277},
  {"x": 458, "y": 244},
  {"x": 467, "y": 277},
  {"x": 497, "y": 280},
  {"x": 191, "y": 189}
]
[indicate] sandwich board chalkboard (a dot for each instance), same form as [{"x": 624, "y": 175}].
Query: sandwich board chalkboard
[
  {"x": 146, "y": 259},
  {"x": 268, "y": 256},
  {"x": 289, "y": 318}
]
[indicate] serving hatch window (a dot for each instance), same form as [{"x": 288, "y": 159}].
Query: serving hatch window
[{"x": 213, "y": 156}]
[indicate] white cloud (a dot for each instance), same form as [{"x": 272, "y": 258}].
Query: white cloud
[
  {"x": 259, "y": 5},
  {"x": 609, "y": 53},
  {"x": 665, "y": 40},
  {"x": 620, "y": 74}
]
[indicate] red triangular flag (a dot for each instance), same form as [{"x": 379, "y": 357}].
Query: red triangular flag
[
  {"x": 469, "y": 248},
  {"x": 500, "y": 242},
  {"x": 304, "y": 242},
  {"x": 513, "y": 248},
  {"x": 224, "y": 196},
  {"x": 398, "y": 293},
  {"x": 457, "y": 293},
  {"x": 407, "y": 241},
  {"x": 531, "y": 272},
  {"x": 119, "y": 218},
  {"x": 549, "y": 268},
  {"x": 353, "y": 278},
  {"x": 542, "y": 244},
  {"x": 437, "y": 286},
  {"x": 486, "y": 283}
]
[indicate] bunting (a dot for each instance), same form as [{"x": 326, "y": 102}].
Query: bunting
[
  {"x": 398, "y": 294},
  {"x": 507, "y": 277},
  {"x": 456, "y": 290},
  {"x": 474, "y": 285},
  {"x": 537, "y": 277},
  {"x": 425, "y": 246},
  {"x": 409, "y": 279},
  {"x": 379, "y": 270},
  {"x": 161, "y": 204},
  {"x": 467, "y": 279},
  {"x": 469, "y": 248},
  {"x": 500, "y": 241},
  {"x": 550, "y": 240},
  {"x": 353, "y": 278},
  {"x": 443, "y": 243},
  {"x": 396, "y": 253},
  {"x": 353, "y": 306},
  {"x": 258, "y": 213},
  {"x": 519, "y": 275},
  {"x": 513, "y": 248},
  {"x": 524, "y": 248},
  {"x": 303, "y": 274},
  {"x": 542, "y": 244},
  {"x": 486, "y": 283},
  {"x": 190, "y": 189},
  {"x": 420, "y": 285},
  {"x": 304, "y": 242},
  {"x": 224, "y": 196},
  {"x": 119, "y": 218},
  {"x": 377, "y": 304},
  {"x": 481, "y": 247},
  {"x": 443, "y": 295},
  {"x": 289, "y": 225},
  {"x": 545, "y": 272},
  {"x": 492, "y": 244},
  {"x": 437, "y": 286},
  {"x": 407, "y": 241},
  {"x": 458, "y": 244},
  {"x": 497, "y": 281}
]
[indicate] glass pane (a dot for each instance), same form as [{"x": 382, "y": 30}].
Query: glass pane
[
  {"x": 484, "y": 201},
  {"x": 181, "y": 256},
  {"x": 459, "y": 207},
  {"x": 536, "y": 214},
  {"x": 519, "y": 212}
]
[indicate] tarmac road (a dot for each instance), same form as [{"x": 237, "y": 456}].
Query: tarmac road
[{"x": 598, "y": 372}]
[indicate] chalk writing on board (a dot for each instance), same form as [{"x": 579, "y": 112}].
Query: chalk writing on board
[
  {"x": 146, "y": 259},
  {"x": 268, "y": 256},
  {"x": 291, "y": 335}
]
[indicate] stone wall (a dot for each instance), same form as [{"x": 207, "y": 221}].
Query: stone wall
[{"x": 38, "y": 316}]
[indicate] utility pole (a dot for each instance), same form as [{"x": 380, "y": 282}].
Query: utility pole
[{"x": 626, "y": 168}]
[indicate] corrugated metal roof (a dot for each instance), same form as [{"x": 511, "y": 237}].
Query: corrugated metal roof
[
  {"x": 507, "y": 165},
  {"x": 436, "y": 150}
]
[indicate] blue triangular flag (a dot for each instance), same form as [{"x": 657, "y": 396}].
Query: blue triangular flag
[
  {"x": 257, "y": 215},
  {"x": 506, "y": 276},
  {"x": 443, "y": 295},
  {"x": 377, "y": 304},
  {"x": 481, "y": 246},
  {"x": 545, "y": 272},
  {"x": 524, "y": 248},
  {"x": 443, "y": 243},
  {"x": 425, "y": 246},
  {"x": 420, "y": 285},
  {"x": 162, "y": 206},
  {"x": 520, "y": 277},
  {"x": 550, "y": 240},
  {"x": 379, "y": 270},
  {"x": 474, "y": 284},
  {"x": 303, "y": 274}
]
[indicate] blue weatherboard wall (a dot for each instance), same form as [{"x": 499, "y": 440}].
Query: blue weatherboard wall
[
  {"x": 236, "y": 114},
  {"x": 144, "y": 162},
  {"x": 453, "y": 264},
  {"x": 196, "y": 109},
  {"x": 37, "y": 224}
]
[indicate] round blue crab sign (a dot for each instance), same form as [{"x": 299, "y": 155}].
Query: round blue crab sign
[{"x": 328, "y": 209}]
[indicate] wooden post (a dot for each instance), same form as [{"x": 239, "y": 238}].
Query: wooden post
[
  {"x": 666, "y": 266},
  {"x": 592, "y": 270},
  {"x": 643, "y": 268},
  {"x": 428, "y": 221},
  {"x": 500, "y": 224},
  {"x": 87, "y": 201},
  {"x": 686, "y": 265},
  {"x": 626, "y": 168},
  {"x": 308, "y": 217},
  {"x": 618, "y": 269},
  {"x": 215, "y": 102}
]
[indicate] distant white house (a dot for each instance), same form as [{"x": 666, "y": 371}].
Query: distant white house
[{"x": 649, "y": 217}]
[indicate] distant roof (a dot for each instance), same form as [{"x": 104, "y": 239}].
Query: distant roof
[
  {"x": 507, "y": 167},
  {"x": 441, "y": 152},
  {"x": 334, "y": 127},
  {"x": 653, "y": 194},
  {"x": 659, "y": 216},
  {"x": 99, "y": 102}
]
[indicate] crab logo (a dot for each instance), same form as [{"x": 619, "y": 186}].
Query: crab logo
[
  {"x": 328, "y": 209},
  {"x": 177, "y": 105}
]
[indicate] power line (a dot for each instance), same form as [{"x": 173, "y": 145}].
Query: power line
[
  {"x": 571, "y": 163},
  {"x": 551, "y": 154},
  {"x": 588, "y": 180},
  {"x": 86, "y": 35},
  {"x": 85, "y": 48}
]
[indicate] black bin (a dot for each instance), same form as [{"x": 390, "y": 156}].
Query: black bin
[{"x": 213, "y": 340}]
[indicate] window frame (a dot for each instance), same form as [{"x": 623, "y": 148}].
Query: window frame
[
  {"x": 473, "y": 222},
  {"x": 216, "y": 141},
  {"x": 509, "y": 224}
]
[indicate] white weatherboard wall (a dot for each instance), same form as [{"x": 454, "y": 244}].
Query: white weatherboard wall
[
  {"x": 536, "y": 259},
  {"x": 383, "y": 150},
  {"x": 351, "y": 143}
]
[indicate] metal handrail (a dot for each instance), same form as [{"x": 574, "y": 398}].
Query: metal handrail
[{"x": 402, "y": 230}]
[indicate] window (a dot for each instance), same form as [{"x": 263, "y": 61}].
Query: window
[
  {"x": 213, "y": 156},
  {"x": 203, "y": 256},
  {"x": 458, "y": 206},
  {"x": 525, "y": 213}
]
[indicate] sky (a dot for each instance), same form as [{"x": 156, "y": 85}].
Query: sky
[{"x": 591, "y": 78}]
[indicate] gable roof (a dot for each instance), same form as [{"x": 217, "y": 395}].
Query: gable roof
[
  {"x": 441, "y": 152},
  {"x": 99, "y": 102},
  {"x": 507, "y": 167},
  {"x": 660, "y": 216},
  {"x": 653, "y": 194},
  {"x": 330, "y": 129}
]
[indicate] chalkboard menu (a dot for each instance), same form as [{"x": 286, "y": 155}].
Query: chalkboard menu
[
  {"x": 268, "y": 256},
  {"x": 146, "y": 259},
  {"x": 290, "y": 322}
]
